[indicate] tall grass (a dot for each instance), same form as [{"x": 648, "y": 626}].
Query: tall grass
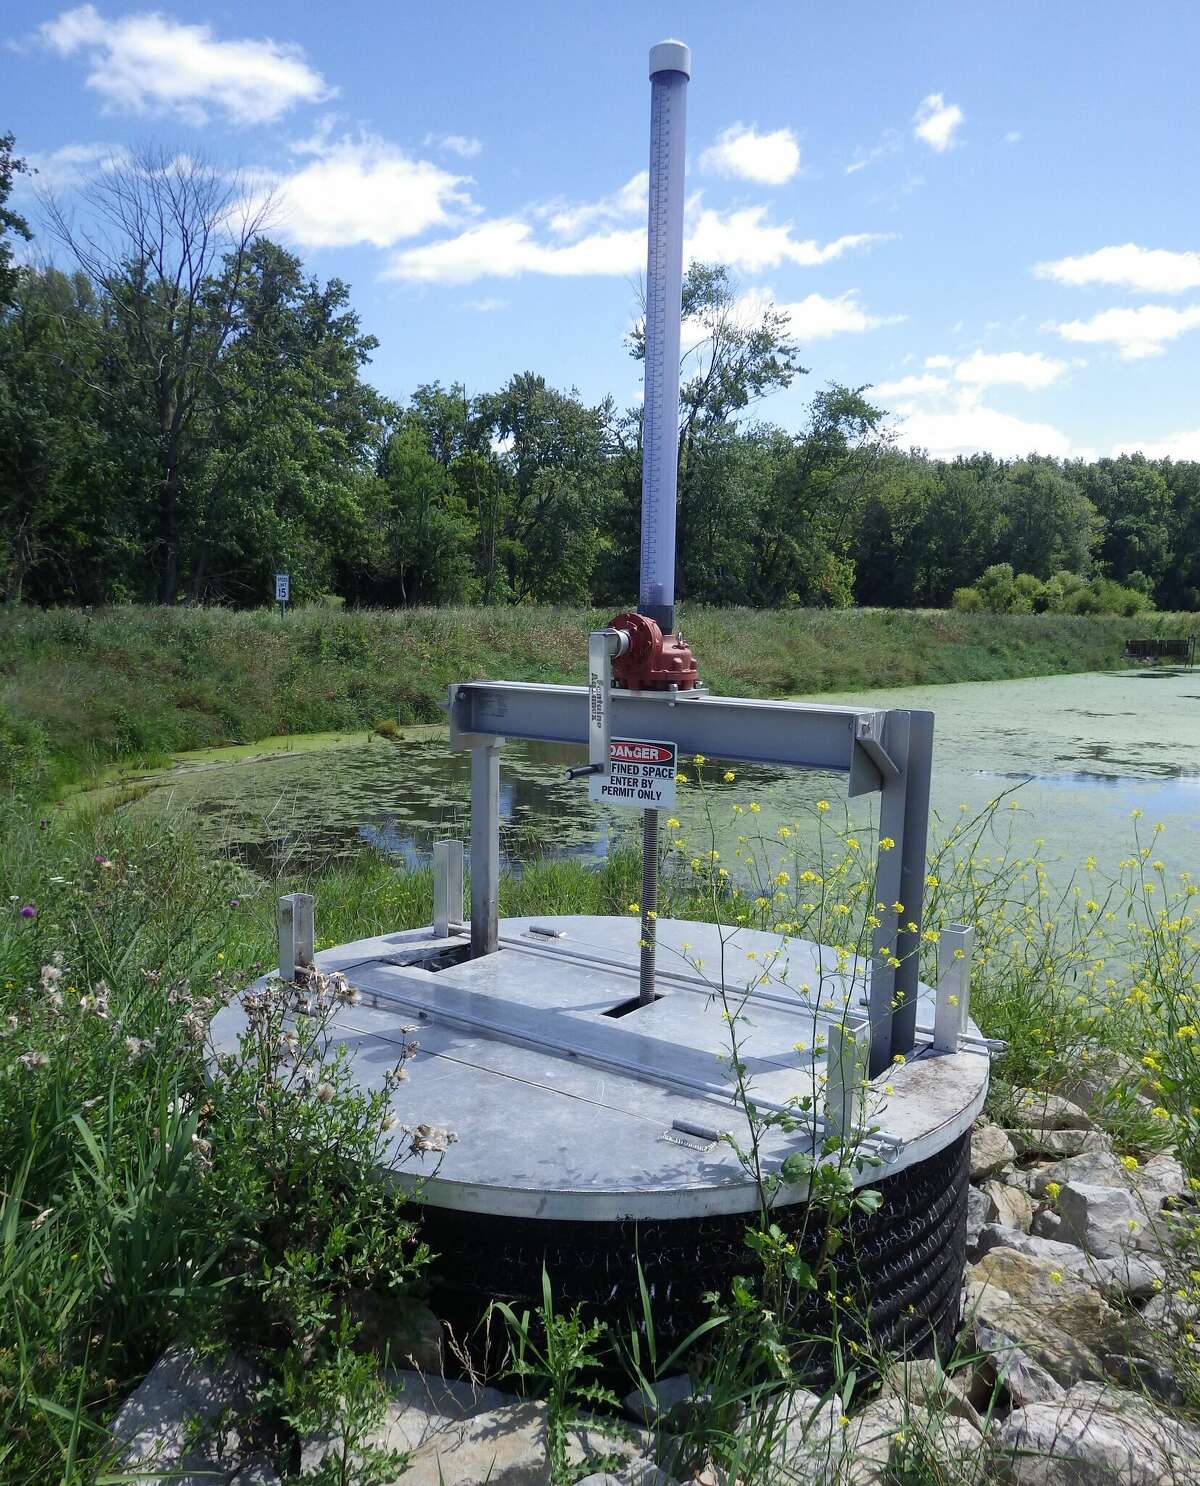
[{"x": 83, "y": 689}]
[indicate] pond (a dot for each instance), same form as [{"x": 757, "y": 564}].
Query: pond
[{"x": 1078, "y": 753}]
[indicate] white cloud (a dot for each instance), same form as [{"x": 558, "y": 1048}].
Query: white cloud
[
  {"x": 889, "y": 143},
  {"x": 569, "y": 219},
  {"x": 972, "y": 428},
  {"x": 366, "y": 191},
  {"x": 1136, "y": 333},
  {"x": 741, "y": 151},
  {"x": 816, "y": 317},
  {"x": 746, "y": 240},
  {"x": 1013, "y": 137},
  {"x": 148, "y": 63},
  {"x": 1151, "y": 270},
  {"x": 936, "y": 362},
  {"x": 486, "y": 306},
  {"x": 914, "y": 386},
  {"x": 73, "y": 164},
  {"x": 935, "y": 122},
  {"x": 1030, "y": 370},
  {"x": 1183, "y": 445},
  {"x": 506, "y": 247},
  {"x": 465, "y": 146}
]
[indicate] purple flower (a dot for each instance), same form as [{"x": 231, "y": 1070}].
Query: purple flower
[
  {"x": 29, "y": 911},
  {"x": 235, "y": 902}
]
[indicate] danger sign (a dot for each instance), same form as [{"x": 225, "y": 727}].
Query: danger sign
[{"x": 641, "y": 774}]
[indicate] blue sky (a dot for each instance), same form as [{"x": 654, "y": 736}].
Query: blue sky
[{"x": 987, "y": 210}]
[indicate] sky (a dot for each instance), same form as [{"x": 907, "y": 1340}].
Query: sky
[{"x": 985, "y": 210}]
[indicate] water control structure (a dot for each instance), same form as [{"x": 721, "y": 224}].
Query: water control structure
[{"x": 582, "y": 1062}]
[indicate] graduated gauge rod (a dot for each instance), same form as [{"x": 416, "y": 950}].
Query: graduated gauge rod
[{"x": 670, "y": 69}]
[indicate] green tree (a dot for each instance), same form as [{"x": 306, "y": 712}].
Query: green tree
[
  {"x": 166, "y": 248},
  {"x": 11, "y": 223}
]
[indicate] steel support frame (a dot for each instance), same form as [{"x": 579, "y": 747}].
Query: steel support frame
[{"x": 885, "y": 750}]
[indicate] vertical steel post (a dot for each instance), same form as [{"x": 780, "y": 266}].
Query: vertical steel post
[
  {"x": 485, "y": 849},
  {"x": 918, "y": 775},
  {"x": 295, "y": 922},
  {"x": 846, "y": 1063},
  {"x": 447, "y": 887},
  {"x": 887, "y": 891},
  {"x": 953, "y": 1004}
]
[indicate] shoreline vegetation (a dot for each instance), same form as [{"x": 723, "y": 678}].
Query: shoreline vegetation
[{"x": 84, "y": 690}]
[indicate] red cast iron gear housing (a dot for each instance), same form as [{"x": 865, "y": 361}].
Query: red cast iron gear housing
[{"x": 654, "y": 661}]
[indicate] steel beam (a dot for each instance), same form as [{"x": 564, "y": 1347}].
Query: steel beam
[{"x": 799, "y": 734}]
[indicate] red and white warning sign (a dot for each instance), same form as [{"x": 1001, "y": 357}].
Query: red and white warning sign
[{"x": 641, "y": 774}]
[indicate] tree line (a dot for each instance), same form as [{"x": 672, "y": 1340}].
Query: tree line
[{"x": 184, "y": 410}]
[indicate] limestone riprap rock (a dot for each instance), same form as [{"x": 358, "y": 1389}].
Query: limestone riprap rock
[
  {"x": 991, "y": 1150},
  {"x": 1132, "y": 1275},
  {"x": 1097, "y": 1168},
  {"x": 1054, "y": 1316},
  {"x": 1023, "y": 1380},
  {"x": 507, "y": 1447},
  {"x": 894, "y": 1440},
  {"x": 635, "y": 1473},
  {"x": 793, "y": 1439},
  {"x": 1161, "y": 1174},
  {"x": 981, "y": 1210},
  {"x": 157, "y": 1424},
  {"x": 922, "y": 1382},
  {"x": 1014, "y": 1208},
  {"x": 1038, "y": 1111},
  {"x": 1059, "y": 1143},
  {"x": 660, "y": 1403},
  {"x": 1047, "y": 1224},
  {"x": 1106, "y": 1221},
  {"x": 1097, "y": 1436}
]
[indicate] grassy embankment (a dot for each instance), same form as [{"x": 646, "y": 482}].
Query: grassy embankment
[{"x": 80, "y": 691}]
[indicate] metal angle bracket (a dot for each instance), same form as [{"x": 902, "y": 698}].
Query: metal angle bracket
[{"x": 871, "y": 766}]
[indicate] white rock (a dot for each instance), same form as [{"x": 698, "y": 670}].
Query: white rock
[
  {"x": 1047, "y": 1224},
  {"x": 1014, "y": 1208},
  {"x": 1023, "y": 1380},
  {"x": 990, "y": 1150},
  {"x": 1050, "y": 1112},
  {"x": 981, "y": 1210},
  {"x": 157, "y": 1421},
  {"x": 1096, "y": 1436},
  {"x": 507, "y": 1447},
  {"x": 1062, "y": 1143},
  {"x": 1106, "y": 1221},
  {"x": 1130, "y": 1275},
  {"x": 1162, "y": 1174},
  {"x": 636, "y": 1473},
  {"x": 922, "y": 1382},
  {"x": 1097, "y": 1168}
]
